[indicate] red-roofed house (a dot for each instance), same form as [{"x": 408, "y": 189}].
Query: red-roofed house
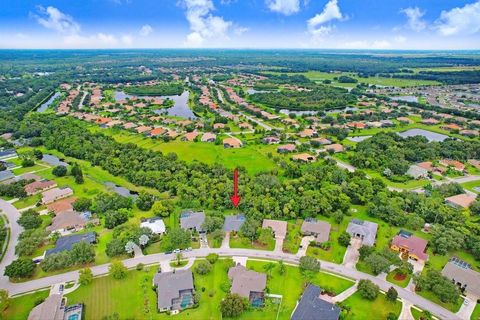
[{"x": 413, "y": 246}]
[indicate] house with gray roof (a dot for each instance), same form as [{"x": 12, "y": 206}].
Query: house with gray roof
[
  {"x": 364, "y": 230},
  {"x": 312, "y": 307},
  {"x": 417, "y": 172},
  {"x": 7, "y": 153},
  {"x": 52, "y": 308},
  {"x": 174, "y": 290},
  {"x": 6, "y": 175},
  {"x": 317, "y": 228},
  {"x": 192, "y": 221},
  {"x": 67, "y": 242},
  {"x": 462, "y": 274},
  {"x": 248, "y": 284},
  {"x": 233, "y": 222}
]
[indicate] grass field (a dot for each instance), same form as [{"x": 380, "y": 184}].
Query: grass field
[
  {"x": 20, "y": 307},
  {"x": 454, "y": 307},
  {"x": 401, "y": 283},
  {"x": 244, "y": 243},
  {"x": 291, "y": 243},
  {"x": 363, "y": 309},
  {"x": 476, "y": 313}
]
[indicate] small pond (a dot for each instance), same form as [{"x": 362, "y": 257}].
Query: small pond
[
  {"x": 358, "y": 139},
  {"x": 53, "y": 160},
  {"x": 431, "y": 136},
  {"x": 46, "y": 104},
  {"x": 124, "y": 192}
]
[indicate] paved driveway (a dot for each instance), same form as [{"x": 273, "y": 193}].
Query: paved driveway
[
  {"x": 351, "y": 255},
  {"x": 278, "y": 244},
  {"x": 304, "y": 245},
  {"x": 467, "y": 307},
  {"x": 15, "y": 229}
]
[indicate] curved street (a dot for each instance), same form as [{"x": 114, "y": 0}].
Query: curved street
[{"x": 12, "y": 215}]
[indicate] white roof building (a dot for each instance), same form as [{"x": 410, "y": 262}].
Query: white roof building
[{"x": 155, "y": 224}]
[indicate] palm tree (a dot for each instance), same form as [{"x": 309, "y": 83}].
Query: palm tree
[{"x": 268, "y": 268}]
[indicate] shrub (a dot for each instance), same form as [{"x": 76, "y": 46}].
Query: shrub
[
  {"x": 368, "y": 289},
  {"x": 212, "y": 258},
  {"x": 203, "y": 267}
]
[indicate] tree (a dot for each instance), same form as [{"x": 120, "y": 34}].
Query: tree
[
  {"x": 20, "y": 268},
  {"x": 130, "y": 247},
  {"x": 115, "y": 247},
  {"x": 82, "y": 204},
  {"x": 161, "y": 209},
  {"x": 377, "y": 263},
  {"x": 86, "y": 276},
  {"x": 203, "y": 267},
  {"x": 365, "y": 251},
  {"x": 281, "y": 267},
  {"x": 233, "y": 305},
  {"x": 249, "y": 229},
  {"x": 37, "y": 154},
  {"x": 117, "y": 270},
  {"x": 268, "y": 268},
  {"x": 309, "y": 264},
  {"x": 212, "y": 223},
  {"x": 60, "y": 171},
  {"x": 344, "y": 239},
  {"x": 475, "y": 207},
  {"x": 115, "y": 218},
  {"x": 4, "y": 300},
  {"x": 30, "y": 219},
  {"x": 392, "y": 294},
  {"x": 27, "y": 162},
  {"x": 212, "y": 258},
  {"x": 178, "y": 239},
  {"x": 143, "y": 240},
  {"x": 145, "y": 201},
  {"x": 107, "y": 202},
  {"x": 82, "y": 252},
  {"x": 368, "y": 289}
]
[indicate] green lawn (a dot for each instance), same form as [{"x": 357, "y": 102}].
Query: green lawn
[
  {"x": 336, "y": 251},
  {"x": 23, "y": 170},
  {"x": 20, "y": 307},
  {"x": 476, "y": 313},
  {"x": 401, "y": 283},
  {"x": 244, "y": 243},
  {"x": 292, "y": 241},
  {"x": 454, "y": 307},
  {"x": 212, "y": 243},
  {"x": 365, "y": 309}
]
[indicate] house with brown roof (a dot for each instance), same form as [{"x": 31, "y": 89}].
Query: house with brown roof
[
  {"x": 39, "y": 186},
  {"x": 54, "y": 194},
  {"x": 414, "y": 247},
  {"x": 245, "y": 125},
  {"x": 271, "y": 140},
  {"x": 248, "y": 284},
  {"x": 61, "y": 205},
  {"x": 451, "y": 127},
  {"x": 209, "y": 137},
  {"x": 218, "y": 126},
  {"x": 278, "y": 227},
  {"x": 304, "y": 157},
  {"x": 172, "y": 134},
  {"x": 428, "y": 165},
  {"x": 307, "y": 133},
  {"x": 231, "y": 143},
  {"x": 336, "y": 148},
  {"x": 286, "y": 148},
  {"x": 475, "y": 163},
  {"x": 322, "y": 141},
  {"x": 430, "y": 121},
  {"x": 405, "y": 120},
  {"x": 454, "y": 164},
  {"x": 190, "y": 136},
  {"x": 143, "y": 129},
  {"x": 156, "y": 132},
  {"x": 460, "y": 200},
  {"x": 66, "y": 221},
  {"x": 317, "y": 228},
  {"x": 129, "y": 125}
]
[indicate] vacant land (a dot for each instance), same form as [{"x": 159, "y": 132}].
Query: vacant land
[{"x": 365, "y": 309}]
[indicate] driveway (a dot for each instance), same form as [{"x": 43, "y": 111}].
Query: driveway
[
  {"x": 406, "y": 313},
  {"x": 226, "y": 241},
  {"x": 304, "y": 245},
  {"x": 12, "y": 215},
  {"x": 351, "y": 255},
  {"x": 279, "y": 244},
  {"x": 467, "y": 307}
]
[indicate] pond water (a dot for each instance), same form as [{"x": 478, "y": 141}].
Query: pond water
[
  {"x": 46, "y": 104},
  {"x": 180, "y": 107},
  {"x": 124, "y": 192},
  {"x": 358, "y": 139},
  {"x": 431, "y": 136},
  {"x": 53, "y": 160},
  {"x": 405, "y": 98}
]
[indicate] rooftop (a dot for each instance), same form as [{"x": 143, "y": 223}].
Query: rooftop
[
  {"x": 246, "y": 281},
  {"x": 169, "y": 285},
  {"x": 311, "y": 307},
  {"x": 67, "y": 242}
]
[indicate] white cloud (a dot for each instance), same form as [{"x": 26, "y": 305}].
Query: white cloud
[
  {"x": 460, "y": 20},
  {"x": 330, "y": 12},
  {"x": 99, "y": 40},
  {"x": 127, "y": 39},
  {"x": 286, "y": 7},
  {"x": 203, "y": 24},
  {"x": 400, "y": 39},
  {"x": 146, "y": 30},
  {"x": 414, "y": 16},
  {"x": 240, "y": 30},
  {"x": 54, "y": 19},
  {"x": 363, "y": 44}
]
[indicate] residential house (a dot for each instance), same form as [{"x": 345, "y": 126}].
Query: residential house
[
  {"x": 322, "y": 141},
  {"x": 66, "y": 221},
  {"x": 271, "y": 140},
  {"x": 7, "y": 153},
  {"x": 190, "y": 136},
  {"x": 155, "y": 224},
  {"x": 307, "y": 133},
  {"x": 417, "y": 172},
  {"x": 317, "y": 228},
  {"x": 312, "y": 307},
  {"x": 39, "y": 186},
  {"x": 156, "y": 132},
  {"x": 335, "y": 148},
  {"x": 52, "y": 308},
  {"x": 460, "y": 200},
  {"x": 61, "y": 205},
  {"x": 66, "y": 243},
  {"x": 405, "y": 120},
  {"x": 192, "y": 221},
  {"x": 470, "y": 133},
  {"x": 408, "y": 244},
  {"x": 364, "y": 230},
  {"x": 143, "y": 129},
  {"x": 304, "y": 157},
  {"x": 245, "y": 125},
  {"x": 51, "y": 195},
  {"x": 430, "y": 121},
  {"x": 231, "y": 143},
  {"x": 454, "y": 164},
  {"x": 233, "y": 222},
  {"x": 248, "y": 284},
  {"x": 6, "y": 175},
  {"x": 278, "y": 227},
  {"x": 451, "y": 127},
  {"x": 218, "y": 126},
  {"x": 475, "y": 163},
  {"x": 174, "y": 290},
  {"x": 209, "y": 137},
  {"x": 286, "y": 148},
  {"x": 461, "y": 274}
]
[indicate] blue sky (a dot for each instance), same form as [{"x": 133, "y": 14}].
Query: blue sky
[{"x": 345, "y": 24}]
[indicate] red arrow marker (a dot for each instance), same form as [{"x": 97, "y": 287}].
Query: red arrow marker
[{"x": 235, "y": 198}]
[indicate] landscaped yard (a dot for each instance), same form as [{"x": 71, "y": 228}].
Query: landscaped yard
[
  {"x": 244, "y": 243},
  {"x": 398, "y": 279},
  {"x": 454, "y": 307},
  {"x": 291, "y": 243},
  {"x": 476, "y": 313},
  {"x": 20, "y": 307},
  {"x": 363, "y": 309}
]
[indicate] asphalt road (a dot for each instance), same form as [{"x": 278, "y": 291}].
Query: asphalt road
[{"x": 15, "y": 229}]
